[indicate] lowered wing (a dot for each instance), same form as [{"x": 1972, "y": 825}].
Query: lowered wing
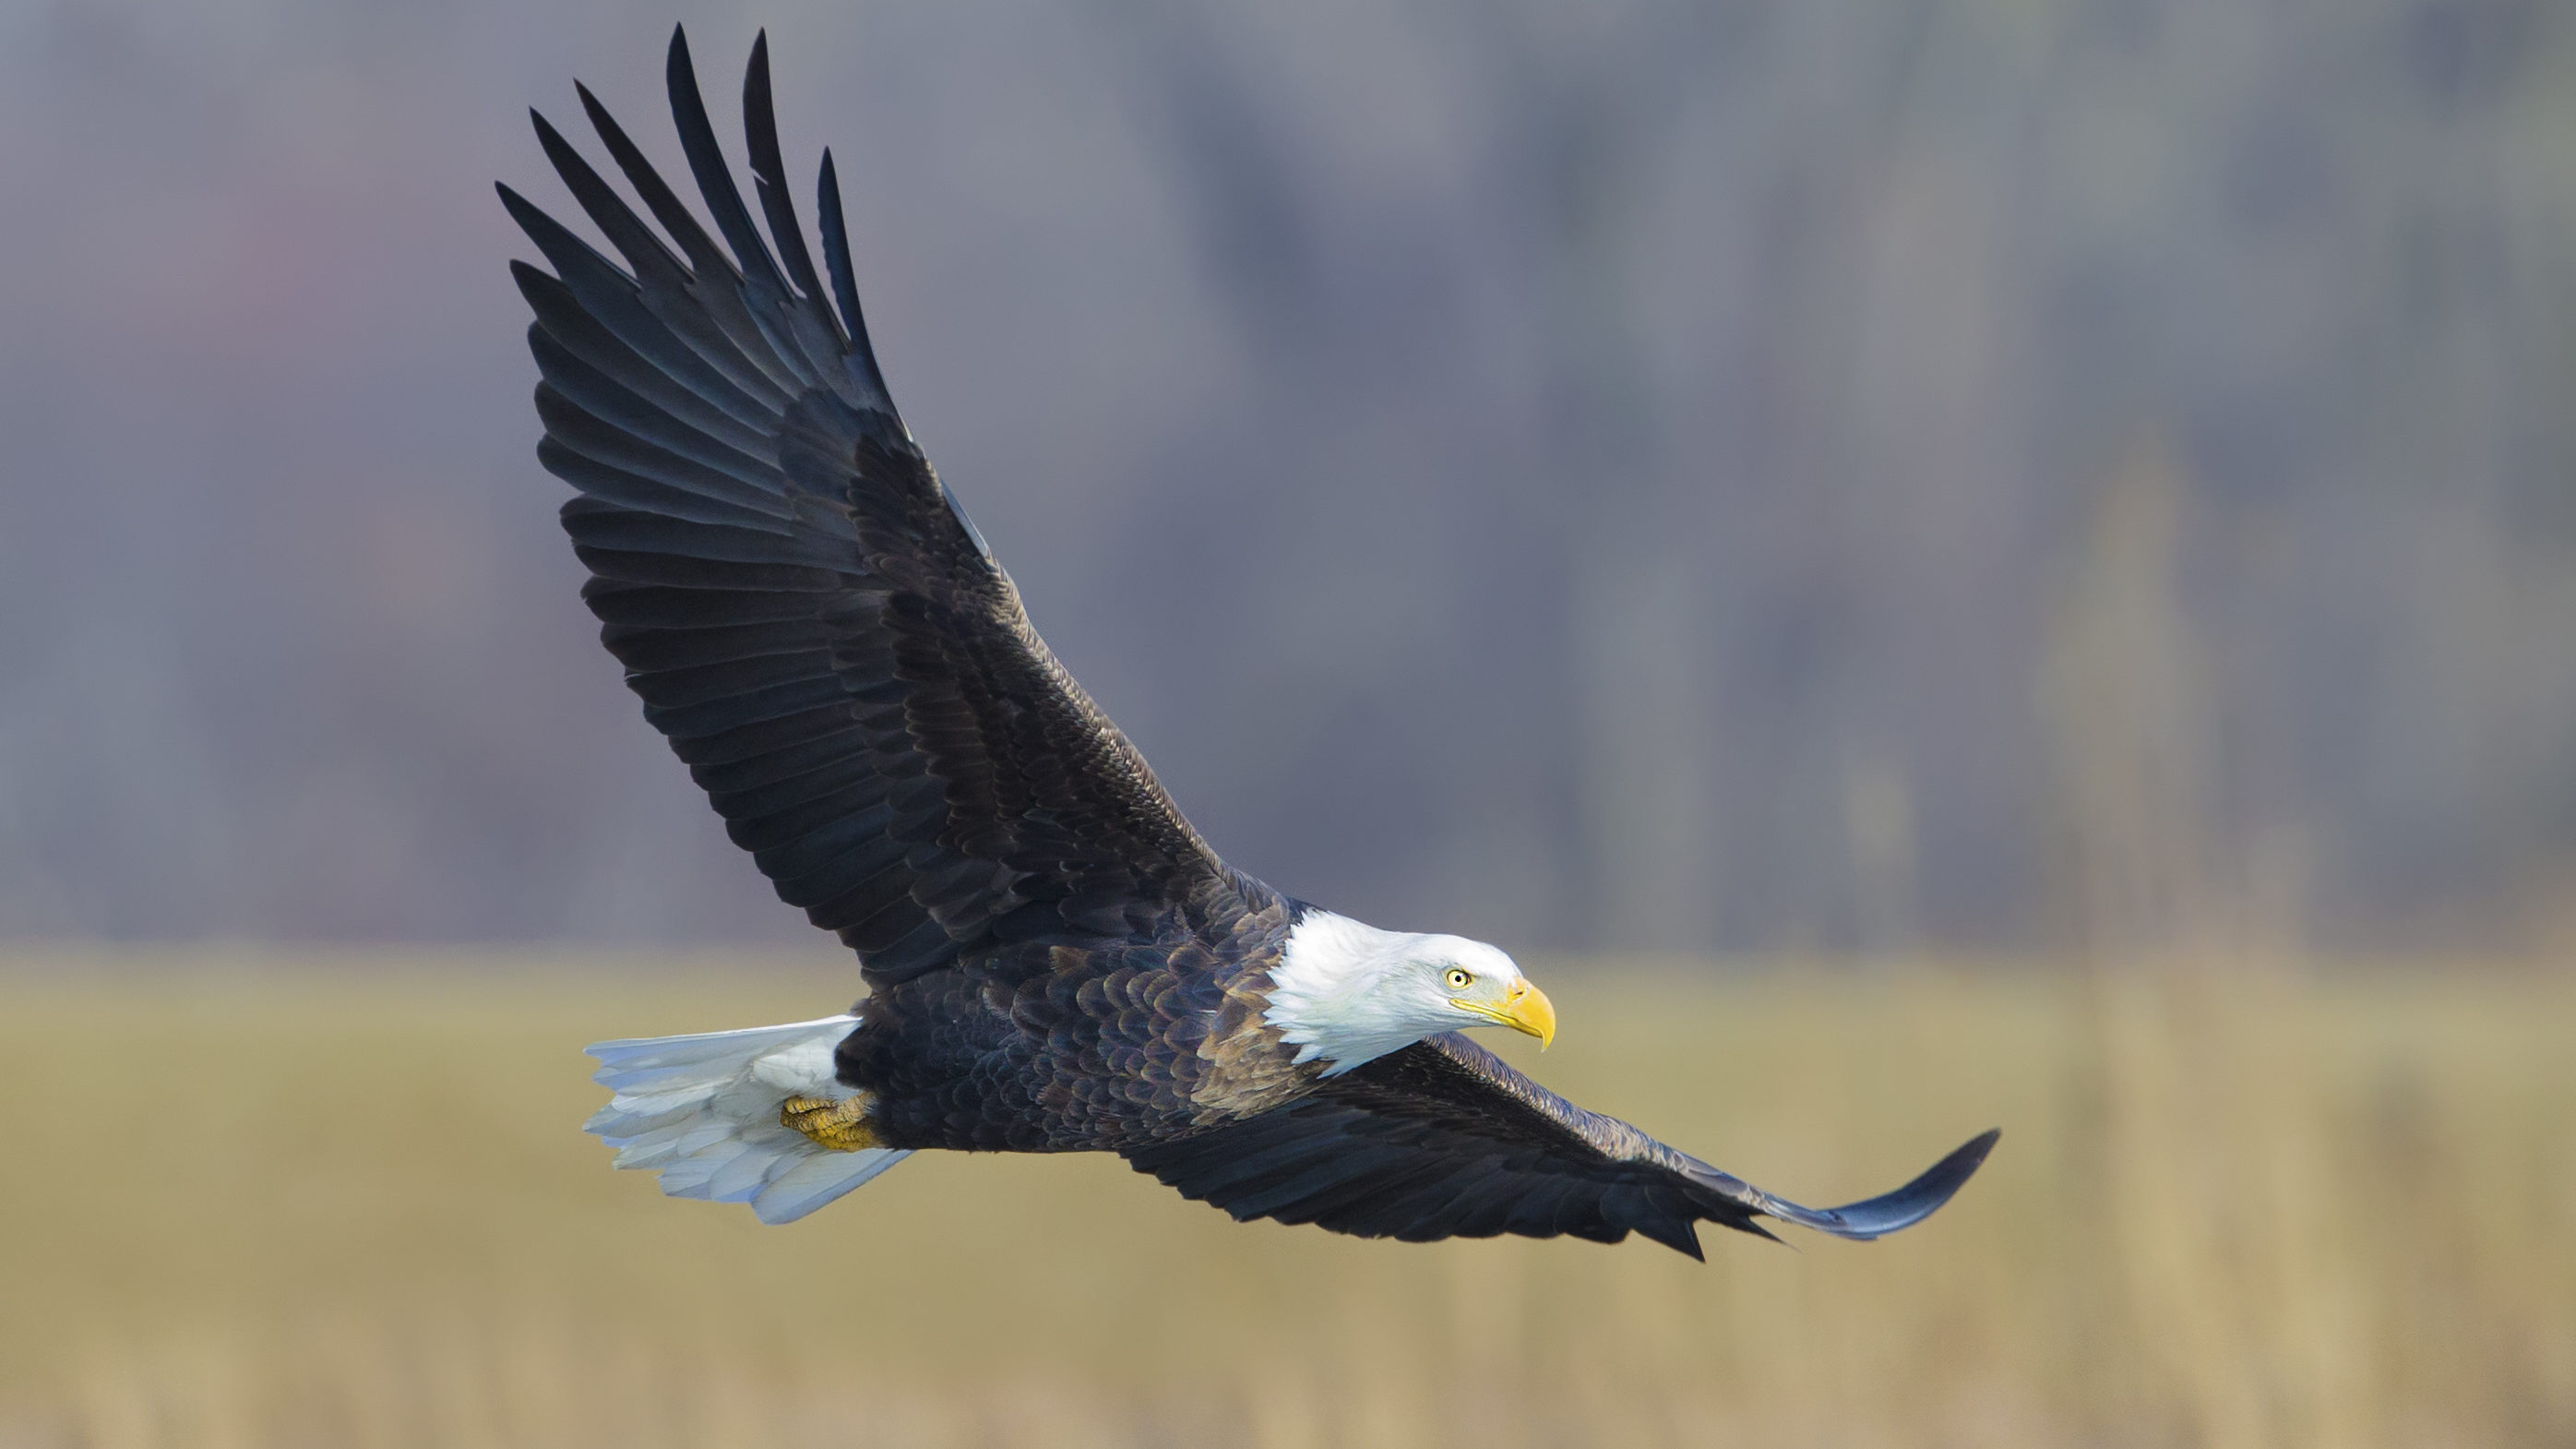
[
  {"x": 1443, "y": 1139},
  {"x": 806, "y": 611}
]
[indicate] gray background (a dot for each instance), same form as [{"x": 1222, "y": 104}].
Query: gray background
[{"x": 1632, "y": 477}]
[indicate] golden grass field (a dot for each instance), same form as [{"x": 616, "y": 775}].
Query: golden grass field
[{"x": 344, "y": 1203}]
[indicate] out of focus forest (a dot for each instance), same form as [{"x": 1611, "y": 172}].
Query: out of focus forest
[{"x": 1633, "y": 477}]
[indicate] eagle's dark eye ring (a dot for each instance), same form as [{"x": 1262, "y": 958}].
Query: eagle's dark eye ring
[{"x": 1458, "y": 978}]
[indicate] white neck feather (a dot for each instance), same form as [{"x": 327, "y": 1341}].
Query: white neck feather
[{"x": 1326, "y": 995}]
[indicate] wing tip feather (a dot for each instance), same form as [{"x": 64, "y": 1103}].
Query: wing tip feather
[{"x": 1892, "y": 1212}]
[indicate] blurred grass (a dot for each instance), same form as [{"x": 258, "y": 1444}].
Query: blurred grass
[{"x": 331, "y": 1204}]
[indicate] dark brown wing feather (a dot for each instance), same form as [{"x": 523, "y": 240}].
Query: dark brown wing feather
[
  {"x": 803, "y": 606},
  {"x": 1443, "y": 1140}
]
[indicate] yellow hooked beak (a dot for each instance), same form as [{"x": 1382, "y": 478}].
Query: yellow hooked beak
[{"x": 1525, "y": 1009}]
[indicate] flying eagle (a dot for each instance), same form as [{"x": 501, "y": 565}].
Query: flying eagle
[{"x": 1055, "y": 960}]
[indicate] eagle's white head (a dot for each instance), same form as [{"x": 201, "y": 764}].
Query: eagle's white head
[{"x": 1348, "y": 993}]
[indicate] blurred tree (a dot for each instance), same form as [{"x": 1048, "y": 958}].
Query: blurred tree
[{"x": 1595, "y": 476}]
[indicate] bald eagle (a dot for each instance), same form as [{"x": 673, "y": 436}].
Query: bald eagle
[{"x": 1055, "y": 961}]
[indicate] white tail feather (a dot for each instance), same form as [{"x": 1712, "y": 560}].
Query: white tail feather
[{"x": 703, "y": 1111}]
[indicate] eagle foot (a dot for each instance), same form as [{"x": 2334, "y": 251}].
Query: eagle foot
[{"x": 841, "y": 1125}]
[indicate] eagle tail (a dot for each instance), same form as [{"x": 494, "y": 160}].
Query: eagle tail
[{"x": 703, "y": 1111}]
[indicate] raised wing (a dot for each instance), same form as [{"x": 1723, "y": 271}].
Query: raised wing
[
  {"x": 1443, "y": 1140},
  {"x": 805, "y": 609}
]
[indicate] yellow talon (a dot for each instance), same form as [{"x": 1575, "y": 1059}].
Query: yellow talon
[{"x": 840, "y": 1125}]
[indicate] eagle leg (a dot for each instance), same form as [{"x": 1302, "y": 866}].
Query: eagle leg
[{"x": 840, "y": 1125}]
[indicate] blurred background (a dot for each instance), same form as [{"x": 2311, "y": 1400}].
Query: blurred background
[
  {"x": 2020, "y": 555},
  {"x": 1638, "y": 477}
]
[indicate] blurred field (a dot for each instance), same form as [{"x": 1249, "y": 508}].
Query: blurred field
[{"x": 253, "y": 1205}]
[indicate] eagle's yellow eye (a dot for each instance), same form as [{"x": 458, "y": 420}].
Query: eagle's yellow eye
[{"x": 1458, "y": 978}]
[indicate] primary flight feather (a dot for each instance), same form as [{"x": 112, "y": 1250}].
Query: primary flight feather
[{"x": 1055, "y": 960}]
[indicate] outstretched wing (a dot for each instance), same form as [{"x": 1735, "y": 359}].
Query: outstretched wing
[
  {"x": 806, "y": 611},
  {"x": 1443, "y": 1140}
]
